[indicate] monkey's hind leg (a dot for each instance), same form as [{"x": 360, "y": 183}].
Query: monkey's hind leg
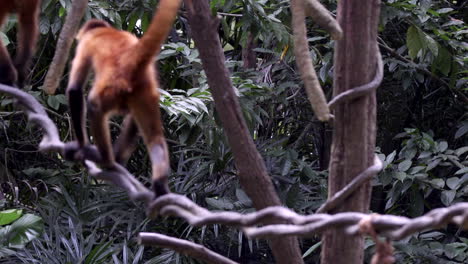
[
  {"x": 28, "y": 16},
  {"x": 8, "y": 74},
  {"x": 99, "y": 121},
  {"x": 126, "y": 142},
  {"x": 145, "y": 111}
]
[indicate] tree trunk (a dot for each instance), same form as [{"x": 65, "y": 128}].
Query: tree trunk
[
  {"x": 354, "y": 127},
  {"x": 252, "y": 171},
  {"x": 64, "y": 43},
  {"x": 249, "y": 57}
]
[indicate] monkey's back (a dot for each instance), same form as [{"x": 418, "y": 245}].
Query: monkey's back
[{"x": 111, "y": 53}]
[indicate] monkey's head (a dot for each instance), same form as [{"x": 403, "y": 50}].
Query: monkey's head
[{"x": 90, "y": 25}]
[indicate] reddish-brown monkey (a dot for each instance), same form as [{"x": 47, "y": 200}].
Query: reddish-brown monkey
[
  {"x": 15, "y": 72},
  {"x": 125, "y": 81}
]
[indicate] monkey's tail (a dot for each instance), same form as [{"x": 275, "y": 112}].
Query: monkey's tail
[{"x": 161, "y": 24}]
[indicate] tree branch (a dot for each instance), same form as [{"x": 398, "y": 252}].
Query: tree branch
[
  {"x": 183, "y": 246},
  {"x": 266, "y": 223},
  {"x": 315, "y": 10},
  {"x": 304, "y": 62},
  {"x": 64, "y": 43}
]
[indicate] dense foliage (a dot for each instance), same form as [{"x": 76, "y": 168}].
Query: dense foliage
[{"x": 422, "y": 136}]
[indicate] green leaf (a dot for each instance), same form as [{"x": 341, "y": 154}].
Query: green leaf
[
  {"x": 416, "y": 169},
  {"x": 453, "y": 183},
  {"x": 444, "y": 10},
  {"x": 404, "y": 165},
  {"x": 25, "y": 229},
  {"x": 391, "y": 157},
  {"x": 8, "y": 216},
  {"x": 312, "y": 249},
  {"x": 433, "y": 164},
  {"x": 243, "y": 198},
  {"x": 53, "y": 102},
  {"x": 461, "y": 150},
  {"x": 99, "y": 253},
  {"x": 286, "y": 167},
  {"x": 461, "y": 171},
  {"x": 443, "y": 61},
  {"x": 442, "y": 146},
  {"x": 447, "y": 197},
  {"x": 414, "y": 41},
  {"x": 424, "y": 154},
  {"x": 461, "y": 131},
  {"x": 400, "y": 176},
  {"x": 386, "y": 177},
  {"x": 4, "y": 39},
  {"x": 220, "y": 204},
  {"x": 431, "y": 44},
  {"x": 437, "y": 183},
  {"x": 311, "y": 174}
]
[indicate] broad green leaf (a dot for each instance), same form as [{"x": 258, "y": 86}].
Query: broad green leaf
[
  {"x": 414, "y": 41},
  {"x": 243, "y": 198},
  {"x": 404, "y": 165},
  {"x": 433, "y": 164},
  {"x": 431, "y": 44},
  {"x": 461, "y": 171},
  {"x": 8, "y": 216},
  {"x": 424, "y": 154},
  {"x": 53, "y": 102},
  {"x": 311, "y": 174},
  {"x": 453, "y": 183},
  {"x": 461, "y": 131},
  {"x": 443, "y": 61},
  {"x": 416, "y": 169},
  {"x": 386, "y": 177},
  {"x": 447, "y": 197},
  {"x": 400, "y": 176},
  {"x": 25, "y": 229},
  {"x": 286, "y": 167},
  {"x": 444, "y": 10},
  {"x": 461, "y": 150},
  {"x": 437, "y": 183},
  {"x": 442, "y": 146},
  {"x": 391, "y": 157}
]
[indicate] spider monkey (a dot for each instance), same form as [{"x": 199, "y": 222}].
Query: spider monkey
[
  {"x": 125, "y": 82},
  {"x": 28, "y": 14}
]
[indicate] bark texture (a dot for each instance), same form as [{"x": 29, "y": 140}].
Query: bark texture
[
  {"x": 64, "y": 43},
  {"x": 252, "y": 171},
  {"x": 354, "y": 127},
  {"x": 249, "y": 58}
]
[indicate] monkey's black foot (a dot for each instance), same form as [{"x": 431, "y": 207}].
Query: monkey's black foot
[
  {"x": 8, "y": 75},
  {"x": 160, "y": 187},
  {"x": 73, "y": 152}
]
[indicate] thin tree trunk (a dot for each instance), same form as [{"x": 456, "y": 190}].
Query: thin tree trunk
[
  {"x": 354, "y": 128},
  {"x": 64, "y": 43},
  {"x": 249, "y": 57},
  {"x": 252, "y": 171}
]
